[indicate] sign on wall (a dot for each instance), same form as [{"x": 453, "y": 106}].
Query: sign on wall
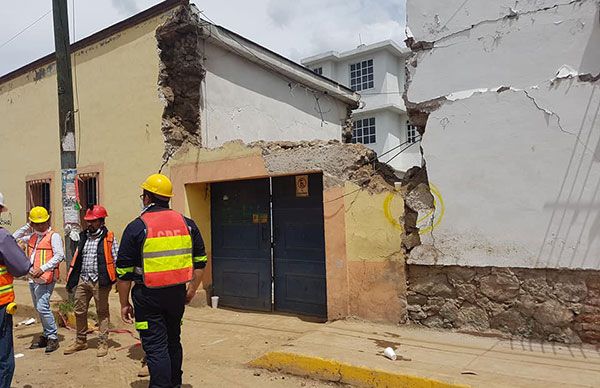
[{"x": 301, "y": 185}]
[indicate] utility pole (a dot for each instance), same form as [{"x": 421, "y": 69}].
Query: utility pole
[{"x": 66, "y": 124}]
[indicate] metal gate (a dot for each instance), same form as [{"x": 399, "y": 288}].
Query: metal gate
[
  {"x": 245, "y": 263},
  {"x": 241, "y": 243},
  {"x": 299, "y": 245}
]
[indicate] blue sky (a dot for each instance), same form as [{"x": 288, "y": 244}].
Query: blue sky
[{"x": 293, "y": 28}]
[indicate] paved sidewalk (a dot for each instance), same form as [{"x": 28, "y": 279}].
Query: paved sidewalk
[{"x": 433, "y": 356}]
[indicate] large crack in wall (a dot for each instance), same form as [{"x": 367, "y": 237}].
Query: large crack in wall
[
  {"x": 340, "y": 162},
  {"x": 180, "y": 77}
]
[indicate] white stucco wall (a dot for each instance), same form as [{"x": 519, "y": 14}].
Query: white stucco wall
[
  {"x": 391, "y": 133},
  {"x": 384, "y": 101},
  {"x": 516, "y": 171},
  {"x": 244, "y": 101}
]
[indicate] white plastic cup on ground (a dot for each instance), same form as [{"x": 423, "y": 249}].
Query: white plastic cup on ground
[
  {"x": 214, "y": 301},
  {"x": 390, "y": 353}
]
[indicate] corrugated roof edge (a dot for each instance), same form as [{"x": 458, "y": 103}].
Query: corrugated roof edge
[{"x": 98, "y": 36}]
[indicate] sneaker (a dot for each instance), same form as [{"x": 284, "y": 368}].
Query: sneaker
[
  {"x": 52, "y": 345},
  {"x": 76, "y": 347},
  {"x": 102, "y": 349},
  {"x": 42, "y": 342}
]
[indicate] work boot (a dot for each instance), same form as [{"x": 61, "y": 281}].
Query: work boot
[
  {"x": 102, "y": 349},
  {"x": 76, "y": 347},
  {"x": 42, "y": 342},
  {"x": 52, "y": 345},
  {"x": 144, "y": 372}
]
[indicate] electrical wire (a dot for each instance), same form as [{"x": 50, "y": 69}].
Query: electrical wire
[
  {"x": 265, "y": 63},
  {"x": 25, "y": 29},
  {"x": 375, "y": 169}
]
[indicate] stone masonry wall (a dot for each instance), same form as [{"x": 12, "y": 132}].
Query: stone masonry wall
[{"x": 544, "y": 304}]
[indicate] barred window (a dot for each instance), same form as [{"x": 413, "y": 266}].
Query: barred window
[
  {"x": 88, "y": 190},
  {"x": 318, "y": 70},
  {"x": 361, "y": 75},
  {"x": 38, "y": 194},
  {"x": 364, "y": 131}
]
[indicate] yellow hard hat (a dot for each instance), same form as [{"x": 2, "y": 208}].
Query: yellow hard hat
[
  {"x": 158, "y": 184},
  {"x": 38, "y": 214}
]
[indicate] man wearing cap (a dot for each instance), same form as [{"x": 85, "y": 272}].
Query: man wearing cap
[
  {"x": 163, "y": 253},
  {"x": 45, "y": 249},
  {"x": 92, "y": 274},
  {"x": 13, "y": 263}
]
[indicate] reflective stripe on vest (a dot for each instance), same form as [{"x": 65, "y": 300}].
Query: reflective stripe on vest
[
  {"x": 167, "y": 250},
  {"x": 7, "y": 294},
  {"x": 43, "y": 253}
]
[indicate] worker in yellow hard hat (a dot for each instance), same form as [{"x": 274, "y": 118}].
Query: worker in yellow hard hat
[
  {"x": 162, "y": 287},
  {"x": 13, "y": 263},
  {"x": 45, "y": 250}
]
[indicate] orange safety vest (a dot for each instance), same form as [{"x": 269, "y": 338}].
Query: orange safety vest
[
  {"x": 108, "y": 243},
  {"x": 7, "y": 294},
  {"x": 43, "y": 252},
  {"x": 167, "y": 250}
]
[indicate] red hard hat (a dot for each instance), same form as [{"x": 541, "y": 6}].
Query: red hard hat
[{"x": 94, "y": 213}]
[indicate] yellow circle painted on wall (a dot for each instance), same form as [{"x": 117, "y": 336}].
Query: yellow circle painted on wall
[
  {"x": 434, "y": 217},
  {"x": 426, "y": 223}
]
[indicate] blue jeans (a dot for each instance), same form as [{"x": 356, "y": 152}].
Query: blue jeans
[
  {"x": 7, "y": 358},
  {"x": 40, "y": 294}
]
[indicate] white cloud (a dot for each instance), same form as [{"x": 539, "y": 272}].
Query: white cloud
[{"x": 293, "y": 28}]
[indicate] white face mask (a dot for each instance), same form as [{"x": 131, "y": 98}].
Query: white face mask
[{"x": 142, "y": 207}]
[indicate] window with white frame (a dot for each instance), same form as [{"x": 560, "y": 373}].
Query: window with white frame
[
  {"x": 364, "y": 131},
  {"x": 412, "y": 133},
  {"x": 318, "y": 70},
  {"x": 361, "y": 75}
]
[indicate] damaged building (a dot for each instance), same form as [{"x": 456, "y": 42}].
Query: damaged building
[
  {"x": 508, "y": 95},
  {"x": 294, "y": 219}
]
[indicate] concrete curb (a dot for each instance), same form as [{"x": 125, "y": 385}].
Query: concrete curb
[{"x": 332, "y": 370}]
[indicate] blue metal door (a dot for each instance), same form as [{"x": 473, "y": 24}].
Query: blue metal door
[
  {"x": 299, "y": 245},
  {"x": 241, "y": 244}
]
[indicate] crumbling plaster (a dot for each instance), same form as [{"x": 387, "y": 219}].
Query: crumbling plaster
[{"x": 510, "y": 98}]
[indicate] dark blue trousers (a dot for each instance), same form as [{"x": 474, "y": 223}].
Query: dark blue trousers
[
  {"x": 158, "y": 314},
  {"x": 7, "y": 357}
]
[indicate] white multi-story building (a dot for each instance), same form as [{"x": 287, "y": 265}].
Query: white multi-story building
[{"x": 377, "y": 72}]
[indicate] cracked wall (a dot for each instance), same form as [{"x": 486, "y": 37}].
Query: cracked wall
[
  {"x": 180, "y": 78},
  {"x": 510, "y": 97},
  {"x": 512, "y": 136},
  {"x": 365, "y": 259}
]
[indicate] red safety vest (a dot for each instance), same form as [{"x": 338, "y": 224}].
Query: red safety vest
[
  {"x": 167, "y": 250},
  {"x": 43, "y": 252},
  {"x": 7, "y": 293}
]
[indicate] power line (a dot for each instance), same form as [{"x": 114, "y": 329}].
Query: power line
[
  {"x": 25, "y": 29},
  {"x": 375, "y": 170}
]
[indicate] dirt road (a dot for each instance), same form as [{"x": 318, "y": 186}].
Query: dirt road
[{"x": 217, "y": 345}]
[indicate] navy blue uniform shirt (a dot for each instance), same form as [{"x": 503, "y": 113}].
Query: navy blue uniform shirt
[{"x": 132, "y": 242}]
